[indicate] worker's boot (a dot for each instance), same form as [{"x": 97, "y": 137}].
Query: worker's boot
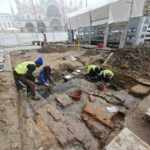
[{"x": 35, "y": 98}]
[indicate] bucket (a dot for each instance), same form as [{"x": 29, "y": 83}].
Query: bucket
[{"x": 76, "y": 95}]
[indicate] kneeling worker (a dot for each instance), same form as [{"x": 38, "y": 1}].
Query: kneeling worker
[
  {"x": 92, "y": 72},
  {"x": 23, "y": 73},
  {"x": 45, "y": 76},
  {"x": 106, "y": 75}
]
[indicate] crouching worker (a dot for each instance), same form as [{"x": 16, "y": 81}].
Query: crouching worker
[
  {"x": 92, "y": 72},
  {"x": 45, "y": 82},
  {"x": 106, "y": 75},
  {"x": 23, "y": 74},
  {"x": 45, "y": 76}
]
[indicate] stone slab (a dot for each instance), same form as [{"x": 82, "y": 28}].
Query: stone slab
[
  {"x": 64, "y": 100},
  {"x": 57, "y": 115},
  {"x": 125, "y": 98},
  {"x": 143, "y": 81},
  {"x": 140, "y": 90},
  {"x": 100, "y": 113},
  {"x": 99, "y": 130},
  {"x": 127, "y": 140}
]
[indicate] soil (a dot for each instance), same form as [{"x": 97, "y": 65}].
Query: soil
[
  {"x": 48, "y": 124},
  {"x": 132, "y": 61}
]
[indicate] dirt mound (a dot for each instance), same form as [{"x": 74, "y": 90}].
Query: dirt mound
[
  {"x": 132, "y": 61},
  {"x": 51, "y": 48}
]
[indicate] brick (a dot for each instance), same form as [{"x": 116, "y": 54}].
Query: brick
[{"x": 100, "y": 113}]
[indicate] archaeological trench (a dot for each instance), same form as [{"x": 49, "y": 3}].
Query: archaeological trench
[{"x": 77, "y": 115}]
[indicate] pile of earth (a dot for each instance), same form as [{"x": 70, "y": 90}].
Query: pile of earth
[
  {"x": 132, "y": 61},
  {"x": 53, "y": 48}
]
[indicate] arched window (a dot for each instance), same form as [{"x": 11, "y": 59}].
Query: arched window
[
  {"x": 30, "y": 27},
  {"x": 53, "y": 11}
]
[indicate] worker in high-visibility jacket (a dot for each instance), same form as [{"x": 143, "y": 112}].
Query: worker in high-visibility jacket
[
  {"x": 106, "y": 75},
  {"x": 92, "y": 72},
  {"x": 96, "y": 73},
  {"x": 23, "y": 74}
]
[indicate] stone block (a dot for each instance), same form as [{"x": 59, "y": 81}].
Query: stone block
[
  {"x": 125, "y": 98},
  {"x": 99, "y": 130},
  {"x": 64, "y": 100},
  {"x": 100, "y": 113},
  {"x": 143, "y": 81},
  {"x": 140, "y": 90},
  {"x": 56, "y": 115},
  {"x": 127, "y": 140},
  {"x": 47, "y": 138}
]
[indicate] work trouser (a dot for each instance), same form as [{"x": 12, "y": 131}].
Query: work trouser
[
  {"x": 27, "y": 80},
  {"x": 104, "y": 78}
]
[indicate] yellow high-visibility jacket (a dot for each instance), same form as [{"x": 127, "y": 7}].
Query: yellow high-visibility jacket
[
  {"x": 89, "y": 67},
  {"x": 107, "y": 72},
  {"x": 22, "y": 69}
]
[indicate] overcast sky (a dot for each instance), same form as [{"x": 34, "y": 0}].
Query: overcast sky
[{"x": 5, "y": 4}]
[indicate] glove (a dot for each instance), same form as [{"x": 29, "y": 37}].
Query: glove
[{"x": 46, "y": 84}]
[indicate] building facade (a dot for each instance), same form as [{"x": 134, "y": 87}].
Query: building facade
[
  {"x": 40, "y": 16},
  {"x": 6, "y": 22},
  {"x": 120, "y": 23}
]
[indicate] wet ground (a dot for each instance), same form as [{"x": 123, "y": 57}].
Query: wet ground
[{"x": 62, "y": 122}]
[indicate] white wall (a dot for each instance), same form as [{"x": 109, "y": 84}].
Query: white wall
[
  {"x": 99, "y": 15},
  {"x": 120, "y": 11},
  {"x": 12, "y": 39},
  {"x": 114, "y": 12}
]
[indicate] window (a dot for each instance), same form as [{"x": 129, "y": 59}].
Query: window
[
  {"x": 148, "y": 35},
  {"x": 146, "y": 21},
  {"x": 142, "y": 36},
  {"x": 144, "y": 28}
]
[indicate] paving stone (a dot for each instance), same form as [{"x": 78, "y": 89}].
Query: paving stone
[
  {"x": 100, "y": 113},
  {"x": 127, "y": 140},
  {"x": 125, "y": 98},
  {"x": 140, "y": 90},
  {"x": 64, "y": 100},
  {"x": 82, "y": 134},
  {"x": 99, "y": 130},
  {"x": 68, "y": 130},
  {"x": 47, "y": 138},
  {"x": 63, "y": 135},
  {"x": 143, "y": 81},
  {"x": 111, "y": 99},
  {"x": 57, "y": 116}
]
